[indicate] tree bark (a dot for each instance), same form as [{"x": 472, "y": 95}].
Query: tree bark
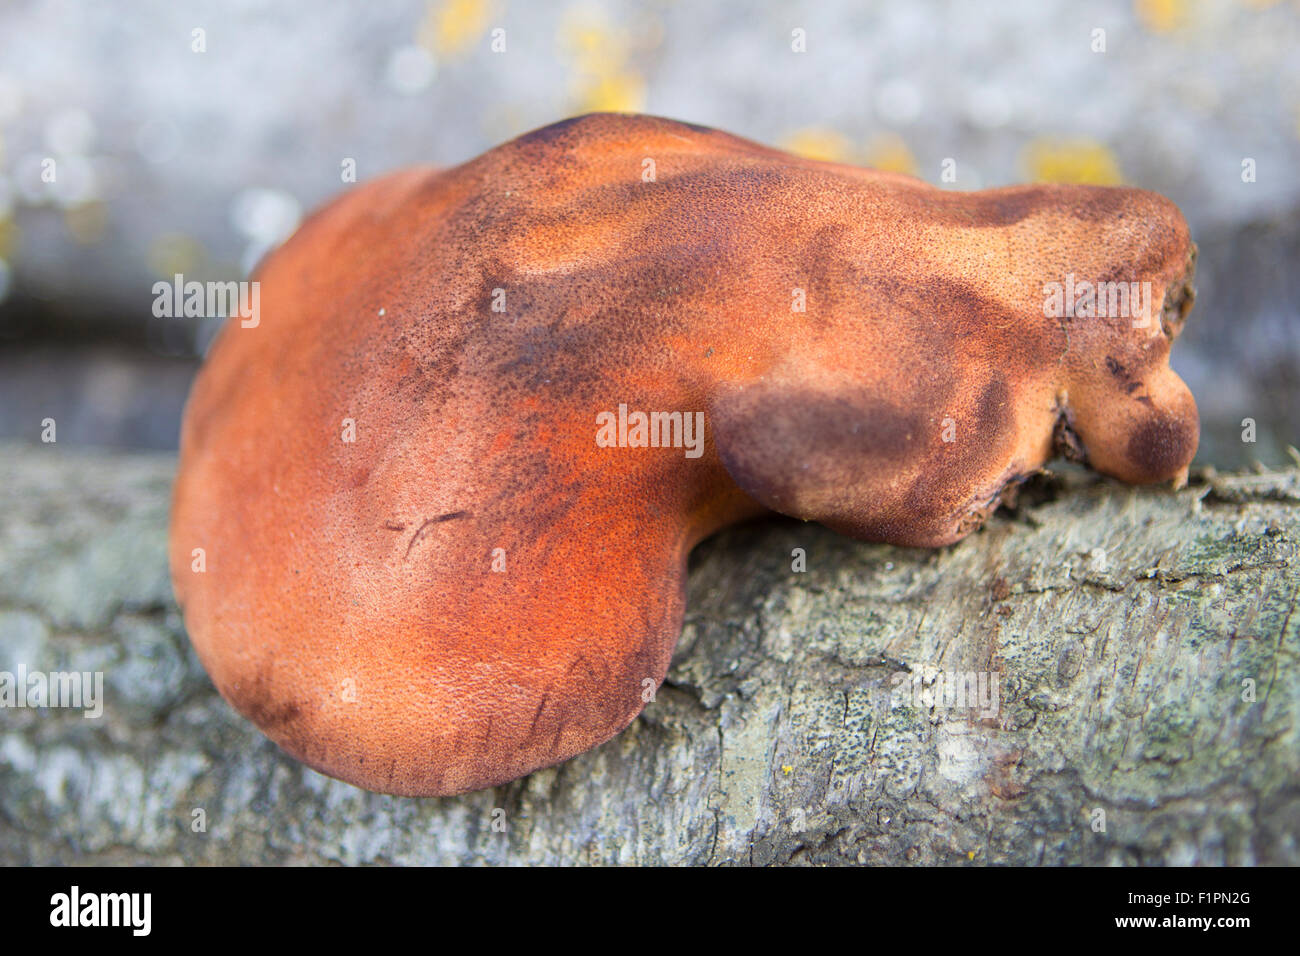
[{"x": 1142, "y": 645}]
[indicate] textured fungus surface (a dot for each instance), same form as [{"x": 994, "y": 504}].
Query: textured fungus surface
[{"x": 474, "y": 587}]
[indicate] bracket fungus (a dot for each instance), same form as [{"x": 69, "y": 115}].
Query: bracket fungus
[{"x": 444, "y": 489}]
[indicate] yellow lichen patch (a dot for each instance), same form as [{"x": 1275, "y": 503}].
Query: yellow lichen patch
[
  {"x": 174, "y": 254},
  {"x": 8, "y": 238},
  {"x": 1161, "y": 16},
  {"x": 618, "y": 93},
  {"x": 87, "y": 222},
  {"x": 1072, "y": 161},
  {"x": 452, "y": 26},
  {"x": 603, "y": 79},
  {"x": 890, "y": 154},
  {"x": 594, "y": 46},
  {"x": 819, "y": 142}
]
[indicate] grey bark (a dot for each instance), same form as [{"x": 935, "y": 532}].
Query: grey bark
[{"x": 1143, "y": 641}]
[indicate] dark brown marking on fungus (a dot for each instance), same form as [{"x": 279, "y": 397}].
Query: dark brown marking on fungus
[
  {"x": 537, "y": 716},
  {"x": 1161, "y": 446},
  {"x": 558, "y": 132},
  {"x": 1180, "y": 295},
  {"x": 419, "y": 533},
  {"x": 1006, "y": 207},
  {"x": 923, "y": 306},
  {"x": 1065, "y": 440},
  {"x": 994, "y": 408},
  {"x": 263, "y": 708}
]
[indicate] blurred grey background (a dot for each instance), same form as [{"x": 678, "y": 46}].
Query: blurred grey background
[{"x": 190, "y": 137}]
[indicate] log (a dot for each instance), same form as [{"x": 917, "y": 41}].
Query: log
[{"x": 1104, "y": 675}]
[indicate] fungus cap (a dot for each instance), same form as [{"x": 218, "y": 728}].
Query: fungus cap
[{"x": 440, "y": 547}]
